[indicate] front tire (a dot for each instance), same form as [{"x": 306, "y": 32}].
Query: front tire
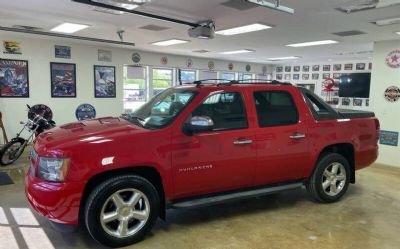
[
  {"x": 122, "y": 210},
  {"x": 12, "y": 151},
  {"x": 330, "y": 179}
]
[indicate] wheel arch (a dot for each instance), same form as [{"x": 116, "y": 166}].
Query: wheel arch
[
  {"x": 148, "y": 172},
  {"x": 344, "y": 149}
]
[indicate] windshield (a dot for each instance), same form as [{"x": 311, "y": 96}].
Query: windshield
[{"x": 162, "y": 109}]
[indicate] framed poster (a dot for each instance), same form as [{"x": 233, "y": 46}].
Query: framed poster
[
  {"x": 14, "y": 78},
  {"x": 288, "y": 69},
  {"x": 104, "y": 81},
  {"x": 315, "y": 68},
  {"x": 357, "y": 102},
  {"x": 11, "y": 47},
  {"x": 305, "y": 76},
  {"x": 326, "y": 76},
  {"x": 346, "y": 101},
  {"x": 105, "y": 55},
  {"x": 287, "y": 76},
  {"x": 336, "y": 76},
  {"x": 348, "y": 66},
  {"x": 278, "y": 76},
  {"x": 337, "y": 67},
  {"x": 326, "y": 68},
  {"x": 296, "y": 69},
  {"x": 296, "y": 76},
  {"x": 279, "y": 69},
  {"x": 63, "y": 80},
  {"x": 388, "y": 137},
  {"x": 62, "y": 51},
  {"x": 306, "y": 68},
  {"x": 315, "y": 76},
  {"x": 360, "y": 66}
]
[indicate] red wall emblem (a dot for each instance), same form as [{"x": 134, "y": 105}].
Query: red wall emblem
[{"x": 393, "y": 59}]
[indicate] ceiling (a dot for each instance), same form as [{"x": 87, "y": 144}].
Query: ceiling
[{"x": 312, "y": 20}]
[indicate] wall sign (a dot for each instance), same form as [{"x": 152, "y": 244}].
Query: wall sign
[
  {"x": 248, "y": 68},
  {"x": 388, "y": 137},
  {"x": 164, "y": 60},
  {"x": 11, "y": 47},
  {"x": 136, "y": 58},
  {"x": 85, "y": 111},
  {"x": 393, "y": 59},
  {"x": 189, "y": 63},
  {"x": 62, "y": 52},
  {"x": 230, "y": 66},
  {"x": 392, "y": 93},
  {"x": 211, "y": 65}
]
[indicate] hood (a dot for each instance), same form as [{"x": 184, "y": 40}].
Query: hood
[{"x": 91, "y": 131}]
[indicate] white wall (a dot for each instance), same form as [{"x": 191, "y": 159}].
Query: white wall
[
  {"x": 388, "y": 113},
  {"x": 40, "y": 52}
]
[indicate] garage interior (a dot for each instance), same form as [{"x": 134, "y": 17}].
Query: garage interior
[{"x": 146, "y": 46}]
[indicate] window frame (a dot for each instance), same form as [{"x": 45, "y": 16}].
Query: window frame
[
  {"x": 151, "y": 83},
  {"x": 279, "y": 125},
  {"x": 242, "y": 96}
]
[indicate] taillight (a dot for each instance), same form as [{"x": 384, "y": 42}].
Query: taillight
[{"x": 377, "y": 128}]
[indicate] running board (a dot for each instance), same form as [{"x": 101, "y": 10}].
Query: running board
[{"x": 210, "y": 200}]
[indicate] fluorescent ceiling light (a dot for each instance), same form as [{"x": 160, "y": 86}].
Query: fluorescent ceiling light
[
  {"x": 398, "y": 32},
  {"x": 243, "y": 29},
  {"x": 275, "y": 5},
  {"x": 242, "y": 51},
  {"x": 69, "y": 28},
  {"x": 389, "y": 21},
  {"x": 284, "y": 58},
  {"x": 169, "y": 42},
  {"x": 313, "y": 43}
]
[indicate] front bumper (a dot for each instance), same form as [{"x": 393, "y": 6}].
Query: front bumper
[{"x": 59, "y": 202}]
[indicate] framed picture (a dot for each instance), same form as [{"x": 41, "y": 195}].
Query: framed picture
[
  {"x": 367, "y": 102},
  {"x": 104, "y": 81},
  {"x": 278, "y": 76},
  {"x": 11, "y": 47},
  {"x": 326, "y": 68},
  {"x": 296, "y": 76},
  {"x": 279, "y": 69},
  {"x": 370, "y": 66},
  {"x": 346, "y": 101},
  {"x": 360, "y": 66},
  {"x": 326, "y": 76},
  {"x": 287, "y": 76},
  {"x": 288, "y": 69},
  {"x": 315, "y": 68},
  {"x": 305, "y": 76},
  {"x": 104, "y": 55},
  {"x": 306, "y": 68},
  {"x": 348, "y": 66},
  {"x": 357, "y": 102},
  {"x": 63, "y": 80},
  {"x": 296, "y": 69},
  {"x": 315, "y": 76},
  {"x": 62, "y": 52},
  {"x": 337, "y": 67},
  {"x": 14, "y": 78},
  {"x": 336, "y": 76},
  {"x": 334, "y": 101}
]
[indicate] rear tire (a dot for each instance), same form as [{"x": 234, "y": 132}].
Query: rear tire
[
  {"x": 8, "y": 153},
  {"x": 330, "y": 179},
  {"x": 122, "y": 210}
]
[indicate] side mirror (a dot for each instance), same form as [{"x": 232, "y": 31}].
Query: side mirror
[{"x": 199, "y": 124}]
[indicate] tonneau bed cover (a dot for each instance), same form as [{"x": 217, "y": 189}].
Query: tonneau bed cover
[{"x": 355, "y": 113}]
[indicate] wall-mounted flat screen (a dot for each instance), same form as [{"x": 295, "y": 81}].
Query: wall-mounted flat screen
[{"x": 354, "y": 85}]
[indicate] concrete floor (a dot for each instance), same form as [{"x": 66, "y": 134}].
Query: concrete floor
[{"x": 367, "y": 217}]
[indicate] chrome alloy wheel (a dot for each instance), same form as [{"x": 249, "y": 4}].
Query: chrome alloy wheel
[
  {"x": 124, "y": 213},
  {"x": 334, "y": 179}
]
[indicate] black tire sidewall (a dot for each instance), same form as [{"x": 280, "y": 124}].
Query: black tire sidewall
[
  {"x": 323, "y": 163},
  {"x": 103, "y": 192},
  {"x": 8, "y": 145}
]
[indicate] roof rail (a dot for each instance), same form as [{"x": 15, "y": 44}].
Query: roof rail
[{"x": 224, "y": 82}]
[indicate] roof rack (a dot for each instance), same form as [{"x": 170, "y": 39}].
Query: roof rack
[{"x": 241, "y": 82}]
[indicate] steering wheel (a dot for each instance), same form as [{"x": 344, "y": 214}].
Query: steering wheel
[{"x": 175, "y": 107}]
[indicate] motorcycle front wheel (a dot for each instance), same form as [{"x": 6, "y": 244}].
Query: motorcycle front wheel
[{"x": 12, "y": 151}]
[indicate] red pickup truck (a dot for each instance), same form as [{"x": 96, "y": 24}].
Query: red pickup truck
[{"x": 191, "y": 146}]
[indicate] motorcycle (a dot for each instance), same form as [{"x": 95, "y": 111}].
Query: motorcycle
[{"x": 36, "y": 124}]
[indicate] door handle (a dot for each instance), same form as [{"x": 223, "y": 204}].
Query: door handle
[
  {"x": 242, "y": 141},
  {"x": 297, "y": 136}
]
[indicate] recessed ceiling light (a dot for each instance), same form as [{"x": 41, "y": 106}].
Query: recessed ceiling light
[
  {"x": 243, "y": 29},
  {"x": 284, "y": 58},
  {"x": 388, "y": 21},
  {"x": 398, "y": 32},
  {"x": 312, "y": 43},
  {"x": 242, "y": 51},
  {"x": 169, "y": 42},
  {"x": 69, "y": 28}
]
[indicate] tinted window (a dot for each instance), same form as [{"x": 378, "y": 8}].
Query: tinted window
[
  {"x": 275, "y": 108},
  {"x": 227, "y": 110}
]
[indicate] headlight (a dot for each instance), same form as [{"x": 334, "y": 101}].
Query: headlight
[{"x": 53, "y": 169}]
